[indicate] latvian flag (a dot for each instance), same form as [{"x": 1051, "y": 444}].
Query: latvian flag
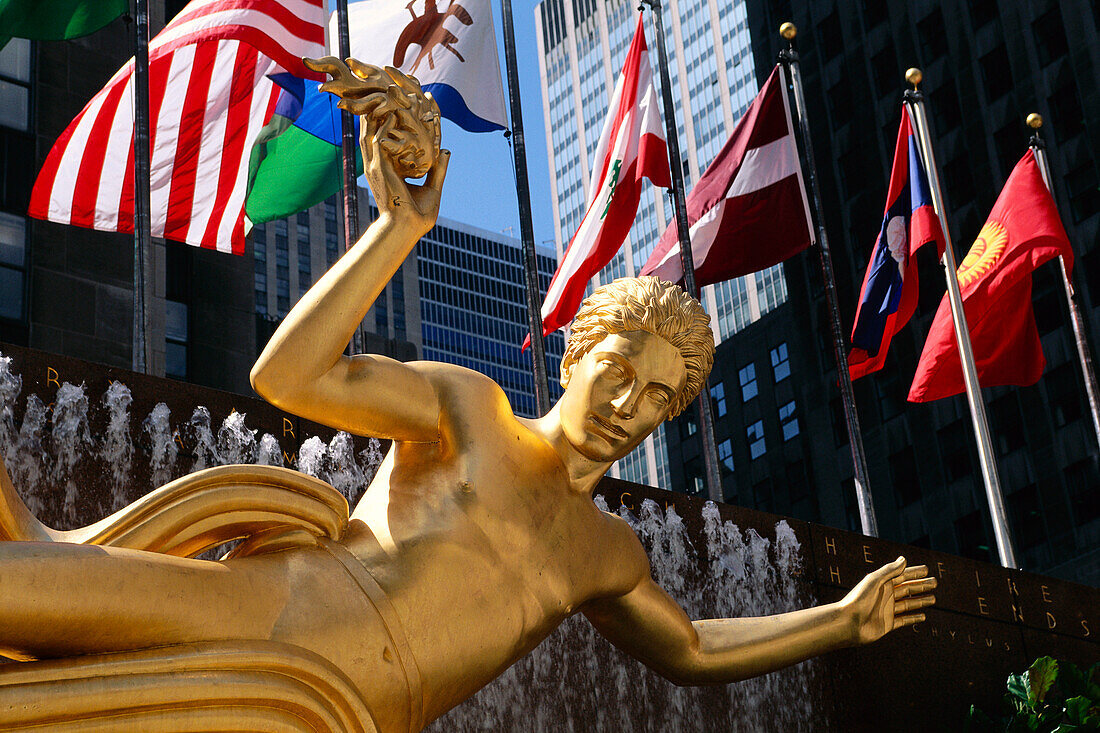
[
  {"x": 631, "y": 147},
  {"x": 749, "y": 210}
]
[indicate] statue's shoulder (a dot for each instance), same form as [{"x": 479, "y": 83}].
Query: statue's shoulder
[
  {"x": 623, "y": 551},
  {"x": 459, "y": 387}
]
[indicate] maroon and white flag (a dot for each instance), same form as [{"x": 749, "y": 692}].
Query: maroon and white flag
[
  {"x": 749, "y": 209},
  {"x": 209, "y": 95},
  {"x": 631, "y": 147}
]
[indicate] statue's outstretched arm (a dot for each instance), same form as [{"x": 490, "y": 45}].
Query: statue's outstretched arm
[
  {"x": 303, "y": 369},
  {"x": 649, "y": 625}
]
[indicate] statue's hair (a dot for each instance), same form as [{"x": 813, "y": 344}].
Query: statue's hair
[{"x": 646, "y": 304}]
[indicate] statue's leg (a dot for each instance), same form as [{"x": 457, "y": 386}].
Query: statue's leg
[{"x": 59, "y": 599}]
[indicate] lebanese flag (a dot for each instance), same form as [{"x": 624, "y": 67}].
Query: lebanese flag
[
  {"x": 631, "y": 147},
  {"x": 749, "y": 209},
  {"x": 1023, "y": 231}
]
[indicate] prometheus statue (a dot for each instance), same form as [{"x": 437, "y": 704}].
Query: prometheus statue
[{"x": 476, "y": 539}]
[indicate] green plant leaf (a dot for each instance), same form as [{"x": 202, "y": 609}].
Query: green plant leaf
[
  {"x": 1064, "y": 728},
  {"x": 1040, "y": 676},
  {"x": 1071, "y": 681},
  {"x": 978, "y": 722},
  {"x": 1077, "y": 709},
  {"x": 1017, "y": 687}
]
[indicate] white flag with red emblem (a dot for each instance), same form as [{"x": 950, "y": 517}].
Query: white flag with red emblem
[
  {"x": 208, "y": 97},
  {"x": 631, "y": 147},
  {"x": 749, "y": 210}
]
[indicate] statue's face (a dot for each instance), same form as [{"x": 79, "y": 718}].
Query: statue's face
[{"x": 619, "y": 392}]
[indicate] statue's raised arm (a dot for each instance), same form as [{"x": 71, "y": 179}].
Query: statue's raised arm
[{"x": 303, "y": 369}]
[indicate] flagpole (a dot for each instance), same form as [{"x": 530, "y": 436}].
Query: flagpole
[
  {"x": 142, "y": 219},
  {"x": 1038, "y": 147},
  {"x": 526, "y": 224},
  {"x": 867, "y": 520},
  {"x": 914, "y": 100},
  {"x": 679, "y": 203},
  {"x": 348, "y": 145}
]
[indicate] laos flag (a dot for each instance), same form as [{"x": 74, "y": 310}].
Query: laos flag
[{"x": 889, "y": 294}]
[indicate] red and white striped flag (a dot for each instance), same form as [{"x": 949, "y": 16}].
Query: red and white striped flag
[
  {"x": 631, "y": 147},
  {"x": 208, "y": 97},
  {"x": 749, "y": 209}
]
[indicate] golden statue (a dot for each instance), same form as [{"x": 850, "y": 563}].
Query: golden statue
[{"x": 475, "y": 540}]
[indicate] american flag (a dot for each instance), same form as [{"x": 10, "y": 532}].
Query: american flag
[{"x": 208, "y": 97}]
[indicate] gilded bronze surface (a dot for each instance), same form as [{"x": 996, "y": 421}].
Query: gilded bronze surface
[{"x": 477, "y": 537}]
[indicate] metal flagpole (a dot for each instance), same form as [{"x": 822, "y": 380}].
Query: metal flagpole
[
  {"x": 914, "y": 100},
  {"x": 679, "y": 202},
  {"x": 1038, "y": 147},
  {"x": 348, "y": 145},
  {"x": 526, "y": 225},
  {"x": 867, "y": 520},
  {"x": 142, "y": 220}
]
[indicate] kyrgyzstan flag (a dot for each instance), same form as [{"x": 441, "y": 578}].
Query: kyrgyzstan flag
[
  {"x": 631, "y": 147},
  {"x": 889, "y": 293},
  {"x": 1023, "y": 231},
  {"x": 749, "y": 210}
]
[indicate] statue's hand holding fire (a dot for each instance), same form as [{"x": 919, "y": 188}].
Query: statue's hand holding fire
[{"x": 399, "y": 136}]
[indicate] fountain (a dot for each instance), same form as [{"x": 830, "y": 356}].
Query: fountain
[
  {"x": 723, "y": 571},
  {"x": 79, "y": 451}
]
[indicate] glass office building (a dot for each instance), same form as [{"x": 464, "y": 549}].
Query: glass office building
[
  {"x": 472, "y": 307},
  {"x": 582, "y": 47}
]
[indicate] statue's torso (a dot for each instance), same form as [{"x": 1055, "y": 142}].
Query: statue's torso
[{"x": 482, "y": 547}]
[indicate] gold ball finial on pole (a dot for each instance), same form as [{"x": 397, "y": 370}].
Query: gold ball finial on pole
[
  {"x": 1034, "y": 120},
  {"x": 914, "y": 76},
  {"x": 788, "y": 30}
]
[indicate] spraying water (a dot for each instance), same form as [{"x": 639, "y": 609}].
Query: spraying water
[{"x": 583, "y": 683}]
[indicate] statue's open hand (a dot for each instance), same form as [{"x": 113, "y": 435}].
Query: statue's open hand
[{"x": 889, "y": 598}]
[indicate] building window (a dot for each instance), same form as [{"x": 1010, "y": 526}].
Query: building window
[
  {"x": 959, "y": 181},
  {"x": 1064, "y": 394},
  {"x": 1084, "y": 192},
  {"x": 884, "y": 67},
  {"x": 13, "y": 238},
  {"x": 788, "y": 421},
  {"x": 15, "y": 90},
  {"x": 1081, "y": 480},
  {"x": 725, "y": 453},
  {"x": 175, "y": 339},
  {"x": 955, "y": 451},
  {"x": 996, "y": 73},
  {"x": 972, "y": 538},
  {"x": 755, "y": 433},
  {"x": 1050, "y": 36},
  {"x": 933, "y": 41},
  {"x": 981, "y": 12},
  {"x": 945, "y": 106},
  {"x": 781, "y": 364},
  {"x": 906, "y": 479},
  {"x": 718, "y": 395},
  {"x": 1025, "y": 513},
  {"x": 690, "y": 428},
  {"x": 747, "y": 375}
]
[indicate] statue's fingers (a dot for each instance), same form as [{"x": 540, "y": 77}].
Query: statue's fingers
[
  {"x": 908, "y": 619},
  {"x": 916, "y": 571},
  {"x": 914, "y": 587},
  {"x": 438, "y": 171},
  {"x": 374, "y": 76},
  {"x": 906, "y": 605},
  {"x": 889, "y": 571}
]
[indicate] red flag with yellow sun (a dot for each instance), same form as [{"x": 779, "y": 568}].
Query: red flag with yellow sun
[{"x": 1023, "y": 231}]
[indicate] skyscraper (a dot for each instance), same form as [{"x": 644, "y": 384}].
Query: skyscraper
[
  {"x": 781, "y": 429},
  {"x": 582, "y": 46},
  {"x": 472, "y": 307}
]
